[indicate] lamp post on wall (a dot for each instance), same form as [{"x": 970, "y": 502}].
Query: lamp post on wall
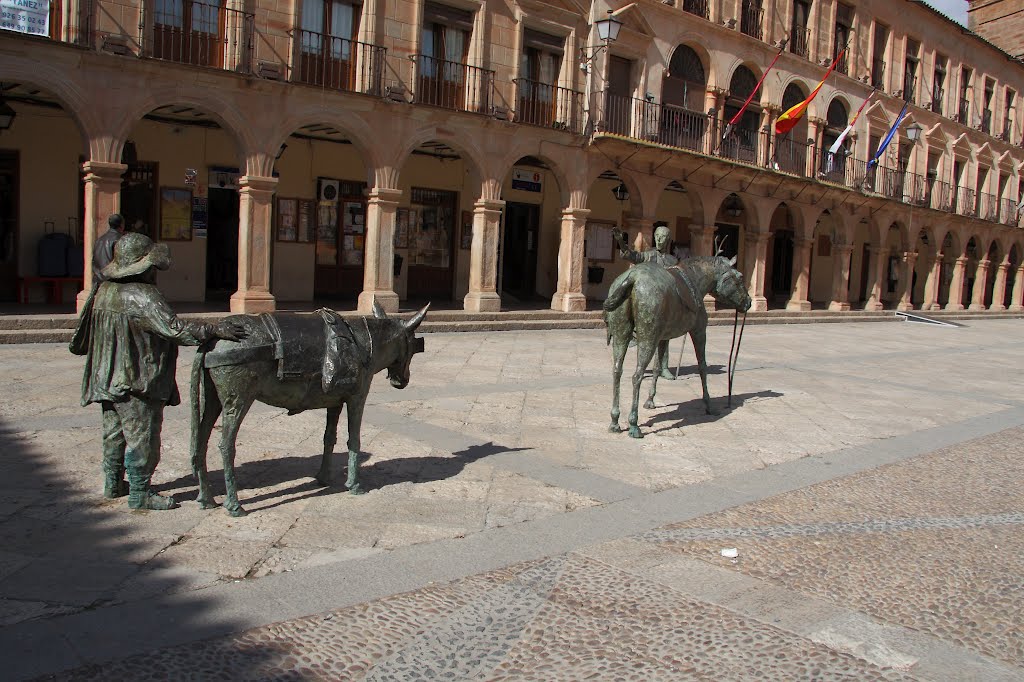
[{"x": 607, "y": 33}]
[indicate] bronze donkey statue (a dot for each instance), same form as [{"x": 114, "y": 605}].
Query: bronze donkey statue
[{"x": 298, "y": 362}]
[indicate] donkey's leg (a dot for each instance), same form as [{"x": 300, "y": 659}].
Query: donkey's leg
[
  {"x": 663, "y": 362},
  {"x": 699, "y": 337},
  {"x": 354, "y": 410},
  {"x": 330, "y": 438},
  {"x": 644, "y": 353},
  {"x": 619, "y": 345},
  {"x": 236, "y": 406},
  {"x": 659, "y": 371},
  {"x": 200, "y": 444}
]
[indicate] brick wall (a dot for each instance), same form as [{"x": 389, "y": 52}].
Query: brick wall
[{"x": 1001, "y": 22}]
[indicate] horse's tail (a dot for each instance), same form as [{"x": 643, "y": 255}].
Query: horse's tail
[
  {"x": 197, "y": 401},
  {"x": 621, "y": 288}
]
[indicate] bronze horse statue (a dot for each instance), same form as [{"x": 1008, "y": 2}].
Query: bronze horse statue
[
  {"x": 298, "y": 362},
  {"x": 658, "y": 304}
]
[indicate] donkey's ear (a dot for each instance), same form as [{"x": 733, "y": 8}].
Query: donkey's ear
[
  {"x": 732, "y": 261},
  {"x": 378, "y": 312}
]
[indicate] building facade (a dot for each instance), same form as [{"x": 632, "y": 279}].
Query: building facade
[
  {"x": 481, "y": 150},
  {"x": 1001, "y": 22}
]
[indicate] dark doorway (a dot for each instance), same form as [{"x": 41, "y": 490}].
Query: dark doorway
[
  {"x": 138, "y": 198},
  {"x": 431, "y": 241},
  {"x": 865, "y": 268},
  {"x": 519, "y": 263},
  {"x": 618, "y": 104},
  {"x": 8, "y": 225},
  {"x": 222, "y": 244},
  {"x": 782, "y": 266}
]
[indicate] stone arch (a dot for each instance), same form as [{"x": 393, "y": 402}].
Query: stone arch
[
  {"x": 78, "y": 104},
  {"x": 829, "y": 231},
  {"x": 678, "y": 207},
  {"x": 357, "y": 131},
  {"x": 566, "y": 187},
  {"x": 685, "y": 81},
  {"x": 952, "y": 248},
  {"x": 779, "y": 275},
  {"x": 479, "y": 169}
]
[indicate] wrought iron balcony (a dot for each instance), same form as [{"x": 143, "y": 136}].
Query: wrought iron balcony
[
  {"x": 1008, "y": 212},
  {"x": 988, "y": 207},
  {"x": 965, "y": 202},
  {"x": 340, "y": 64},
  {"x": 202, "y": 34},
  {"x": 791, "y": 156},
  {"x": 800, "y": 41},
  {"x": 453, "y": 85},
  {"x": 878, "y": 74},
  {"x": 698, "y": 7},
  {"x": 751, "y": 20},
  {"x": 938, "y": 96},
  {"x": 549, "y": 106},
  {"x": 963, "y": 112}
]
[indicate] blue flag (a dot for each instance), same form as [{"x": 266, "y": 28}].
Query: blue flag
[{"x": 888, "y": 138}]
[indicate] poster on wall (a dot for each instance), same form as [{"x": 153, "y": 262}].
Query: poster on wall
[
  {"x": 526, "y": 180},
  {"x": 25, "y": 16},
  {"x": 599, "y": 242},
  {"x": 402, "y": 228},
  {"x": 466, "y": 237},
  {"x": 287, "y": 212},
  {"x": 307, "y": 234},
  {"x": 175, "y": 214},
  {"x": 200, "y": 217}
]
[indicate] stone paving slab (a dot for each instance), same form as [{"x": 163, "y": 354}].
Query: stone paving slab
[{"x": 497, "y": 432}]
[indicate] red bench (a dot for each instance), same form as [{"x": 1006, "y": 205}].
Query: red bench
[{"x": 54, "y": 287}]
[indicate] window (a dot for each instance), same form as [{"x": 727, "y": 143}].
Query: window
[
  {"x": 742, "y": 141},
  {"x": 939, "y": 83},
  {"x": 964, "y": 108},
  {"x": 1009, "y": 102},
  {"x": 800, "y": 35},
  {"x": 444, "y": 47},
  {"x": 986, "y": 114},
  {"x": 188, "y": 32},
  {"x": 844, "y": 26},
  {"x": 539, "y": 65},
  {"x": 328, "y": 30},
  {"x": 910, "y": 69},
  {"x": 750, "y": 21},
  {"x": 881, "y": 40}
]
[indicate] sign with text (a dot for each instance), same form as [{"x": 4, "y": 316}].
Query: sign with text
[
  {"x": 526, "y": 180},
  {"x": 26, "y": 16}
]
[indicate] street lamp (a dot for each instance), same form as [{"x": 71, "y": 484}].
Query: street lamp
[
  {"x": 621, "y": 192},
  {"x": 607, "y": 33},
  {"x": 914, "y": 132},
  {"x": 7, "y": 115}
]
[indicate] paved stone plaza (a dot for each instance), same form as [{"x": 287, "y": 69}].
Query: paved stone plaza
[{"x": 868, "y": 475}]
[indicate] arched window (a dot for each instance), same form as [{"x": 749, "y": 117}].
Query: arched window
[
  {"x": 791, "y": 148},
  {"x": 742, "y": 84},
  {"x": 686, "y": 65},
  {"x": 837, "y": 116},
  {"x": 685, "y": 83},
  {"x": 741, "y": 144}
]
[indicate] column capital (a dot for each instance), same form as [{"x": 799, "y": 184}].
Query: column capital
[
  {"x": 962, "y": 260},
  {"x": 575, "y": 213},
  {"x": 489, "y": 204},
  {"x": 804, "y": 243},
  {"x": 385, "y": 194},
  {"x": 844, "y": 249},
  {"x": 697, "y": 228},
  {"x": 103, "y": 170},
  {"x": 257, "y": 183}
]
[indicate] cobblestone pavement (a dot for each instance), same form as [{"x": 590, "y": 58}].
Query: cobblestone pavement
[{"x": 869, "y": 477}]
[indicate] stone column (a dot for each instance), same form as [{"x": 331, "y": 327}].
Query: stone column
[
  {"x": 102, "y": 197},
  {"x": 713, "y": 100},
  {"x": 1017, "y": 297},
  {"x": 378, "y": 267},
  {"x": 876, "y": 277},
  {"x": 569, "y": 296},
  {"x": 483, "y": 258},
  {"x": 801, "y": 275},
  {"x": 931, "y": 285},
  {"x": 702, "y": 243},
  {"x": 956, "y": 285},
  {"x": 255, "y": 208},
  {"x": 757, "y": 247},
  {"x": 999, "y": 288},
  {"x": 841, "y": 277},
  {"x": 907, "y": 290},
  {"x": 642, "y": 230},
  {"x": 980, "y": 281}
]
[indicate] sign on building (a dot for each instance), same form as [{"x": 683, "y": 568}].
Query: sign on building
[
  {"x": 527, "y": 180},
  {"x": 26, "y": 16}
]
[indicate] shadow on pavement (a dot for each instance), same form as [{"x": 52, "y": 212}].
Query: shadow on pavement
[
  {"x": 81, "y": 578},
  {"x": 692, "y": 412}
]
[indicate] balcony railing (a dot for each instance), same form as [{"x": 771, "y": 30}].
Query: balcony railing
[
  {"x": 878, "y": 74},
  {"x": 549, "y": 106},
  {"x": 938, "y": 95},
  {"x": 750, "y": 22},
  {"x": 698, "y": 7},
  {"x": 453, "y": 85},
  {"x": 963, "y": 112},
  {"x": 202, "y": 35},
  {"x": 791, "y": 156},
  {"x": 683, "y": 128},
  {"x": 742, "y": 144},
  {"x": 1008, "y": 212},
  {"x": 941, "y": 196},
  {"x": 800, "y": 41},
  {"x": 964, "y": 202},
  {"x": 1007, "y": 133},
  {"x": 988, "y": 207},
  {"x": 340, "y": 64}
]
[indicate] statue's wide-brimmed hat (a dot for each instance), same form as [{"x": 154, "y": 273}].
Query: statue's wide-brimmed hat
[{"x": 134, "y": 254}]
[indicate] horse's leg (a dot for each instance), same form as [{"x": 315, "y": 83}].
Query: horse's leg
[
  {"x": 660, "y": 371},
  {"x": 236, "y": 406},
  {"x": 699, "y": 336},
  {"x": 620, "y": 343},
  {"x": 330, "y": 438},
  {"x": 644, "y": 353},
  {"x": 354, "y": 410},
  {"x": 201, "y": 441}
]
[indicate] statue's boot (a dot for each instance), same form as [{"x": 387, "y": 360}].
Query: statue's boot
[
  {"x": 141, "y": 497},
  {"x": 114, "y": 485}
]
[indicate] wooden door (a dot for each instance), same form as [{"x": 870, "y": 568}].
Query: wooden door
[
  {"x": 431, "y": 244},
  {"x": 618, "y": 106},
  {"x": 519, "y": 262},
  {"x": 189, "y": 32},
  {"x": 8, "y": 225}
]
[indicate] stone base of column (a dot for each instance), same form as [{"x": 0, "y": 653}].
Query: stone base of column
[
  {"x": 1016, "y": 308},
  {"x": 976, "y": 306},
  {"x": 802, "y": 306},
  {"x": 388, "y": 300},
  {"x": 709, "y": 303},
  {"x": 904, "y": 307},
  {"x": 873, "y": 306},
  {"x": 80, "y": 300},
  {"x": 482, "y": 302},
  {"x": 840, "y": 306},
  {"x": 569, "y": 303},
  {"x": 935, "y": 306},
  {"x": 253, "y": 302},
  {"x": 997, "y": 307},
  {"x": 758, "y": 304},
  {"x": 954, "y": 306}
]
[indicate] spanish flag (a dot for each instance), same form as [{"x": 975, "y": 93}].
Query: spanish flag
[{"x": 792, "y": 116}]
